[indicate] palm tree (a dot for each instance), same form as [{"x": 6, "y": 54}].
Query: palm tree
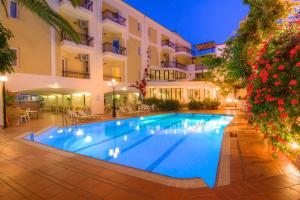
[{"x": 42, "y": 9}]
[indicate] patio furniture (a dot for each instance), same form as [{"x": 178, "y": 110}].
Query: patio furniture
[
  {"x": 145, "y": 108},
  {"x": 92, "y": 116},
  {"x": 33, "y": 113},
  {"x": 24, "y": 117},
  {"x": 130, "y": 110}
]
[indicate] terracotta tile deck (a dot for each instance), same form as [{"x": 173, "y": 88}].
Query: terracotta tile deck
[{"x": 28, "y": 172}]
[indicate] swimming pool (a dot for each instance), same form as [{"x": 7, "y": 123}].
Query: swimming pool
[{"x": 174, "y": 145}]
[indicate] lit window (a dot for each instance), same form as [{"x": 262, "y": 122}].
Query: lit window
[
  {"x": 13, "y": 9},
  {"x": 16, "y": 61}
]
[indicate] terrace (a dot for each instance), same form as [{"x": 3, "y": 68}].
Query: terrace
[{"x": 254, "y": 174}]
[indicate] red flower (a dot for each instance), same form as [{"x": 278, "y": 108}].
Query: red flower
[
  {"x": 293, "y": 51},
  {"x": 280, "y": 109},
  {"x": 269, "y": 67},
  {"x": 298, "y": 64},
  {"x": 252, "y": 77},
  {"x": 263, "y": 75},
  {"x": 277, "y": 60},
  {"x": 275, "y": 75},
  {"x": 293, "y": 82},
  {"x": 277, "y": 83},
  {"x": 294, "y": 101},
  {"x": 280, "y": 102},
  {"x": 278, "y": 52},
  {"x": 280, "y": 67},
  {"x": 255, "y": 66},
  {"x": 283, "y": 115}
]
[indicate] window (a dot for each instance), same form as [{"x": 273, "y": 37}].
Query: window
[
  {"x": 16, "y": 61},
  {"x": 139, "y": 51},
  {"x": 139, "y": 28},
  {"x": 13, "y": 9}
]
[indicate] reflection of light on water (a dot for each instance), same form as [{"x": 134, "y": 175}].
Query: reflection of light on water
[
  {"x": 217, "y": 131},
  {"x": 114, "y": 152},
  {"x": 166, "y": 132},
  {"x": 79, "y": 132},
  {"x": 152, "y": 131},
  {"x": 70, "y": 129},
  {"x": 118, "y": 123},
  {"x": 141, "y": 118},
  {"x": 175, "y": 132},
  {"x": 60, "y": 131},
  {"x": 51, "y": 136},
  {"x": 88, "y": 139},
  {"x": 130, "y": 124},
  {"x": 184, "y": 132},
  {"x": 137, "y": 128},
  {"x": 185, "y": 124},
  {"x": 125, "y": 138}
]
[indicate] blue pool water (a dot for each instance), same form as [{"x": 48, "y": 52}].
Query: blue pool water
[{"x": 175, "y": 145}]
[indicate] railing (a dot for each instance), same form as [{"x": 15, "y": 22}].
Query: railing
[
  {"x": 84, "y": 39},
  {"x": 200, "y": 67},
  {"x": 183, "y": 49},
  {"x": 174, "y": 65},
  {"x": 110, "y": 77},
  {"x": 73, "y": 74},
  {"x": 168, "y": 43},
  {"x": 108, "y": 47},
  {"x": 115, "y": 17},
  {"x": 87, "y": 4}
]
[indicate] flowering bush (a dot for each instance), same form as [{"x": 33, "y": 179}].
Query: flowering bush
[{"x": 274, "y": 89}]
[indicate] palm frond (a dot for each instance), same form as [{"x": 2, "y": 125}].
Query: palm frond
[
  {"x": 44, "y": 11},
  {"x": 76, "y": 2},
  {"x": 4, "y": 5}
]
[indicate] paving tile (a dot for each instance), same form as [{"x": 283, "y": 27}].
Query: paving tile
[{"x": 255, "y": 175}]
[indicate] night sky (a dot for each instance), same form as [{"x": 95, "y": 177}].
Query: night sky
[{"x": 195, "y": 20}]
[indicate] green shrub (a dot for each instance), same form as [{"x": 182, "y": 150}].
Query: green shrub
[
  {"x": 169, "y": 105},
  {"x": 207, "y": 104},
  {"x": 152, "y": 101},
  {"x": 195, "y": 105}
]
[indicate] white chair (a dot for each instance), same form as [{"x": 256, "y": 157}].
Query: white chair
[{"x": 25, "y": 117}]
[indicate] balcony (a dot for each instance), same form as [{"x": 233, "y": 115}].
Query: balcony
[
  {"x": 84, "y": 11},
  {"x": 175, "y": 65},
  {"x": 86, "y": 43},
  {"x": 181, "y": 50},
  {"x": 110, "y": 77},
  {"x": 73, "y": 74},
  {"x": 200, "y": 68},
  {"x": 167, "y": 44},
  {"x": 113, "y": 22},
  {"x": 109, "y": 51}
]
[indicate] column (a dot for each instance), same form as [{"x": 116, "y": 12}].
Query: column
[
  {"x": 1, "y": 106},
  {"x": 97, "y": 102}
]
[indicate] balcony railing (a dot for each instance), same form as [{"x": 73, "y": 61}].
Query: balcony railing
[
  {"x": 174, "y": 65},
  {"x": 168, "y": 43},
  {"x": 87, "y": 4},
  {"x": 110, "y": 77},
  {"x": 84, "y": 39},
  {"x": 183, "y": 49},
  {"x": 108, "y": 47},
  {"x": 115, "y": 17},
  {"x": 200, "y": 68},
  {"x": 73, "y": 74}
]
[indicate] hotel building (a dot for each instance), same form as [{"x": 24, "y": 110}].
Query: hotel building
[{"x": 117, "y": 42}]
